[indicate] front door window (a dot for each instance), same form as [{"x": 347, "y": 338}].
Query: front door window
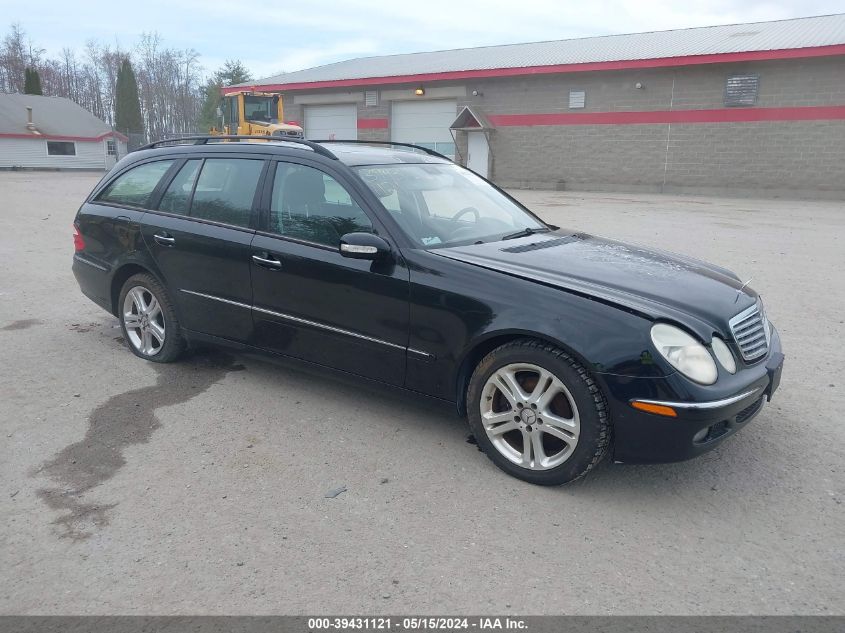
[{"x": 310, "y": 205}]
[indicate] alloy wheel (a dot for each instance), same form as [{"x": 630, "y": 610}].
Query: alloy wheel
[
  {"x": 530, "y": 416},
  {"x": 144, "y": 320}
]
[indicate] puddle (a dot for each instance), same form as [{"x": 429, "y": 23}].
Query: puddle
[{"x": 121, "y": 421}]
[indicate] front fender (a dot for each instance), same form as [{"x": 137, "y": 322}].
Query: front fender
[{"x": 459, "y": 312}]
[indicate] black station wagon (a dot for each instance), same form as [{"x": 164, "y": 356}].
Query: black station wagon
[{"x": 395, "y": 264}]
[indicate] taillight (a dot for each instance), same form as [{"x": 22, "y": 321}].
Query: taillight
[{"x": 78, "y": 242}]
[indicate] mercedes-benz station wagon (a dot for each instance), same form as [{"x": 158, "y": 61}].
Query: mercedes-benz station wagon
[{"x": 395, "y": 264}]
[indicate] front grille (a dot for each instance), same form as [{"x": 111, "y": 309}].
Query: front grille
[{"x": 750, "y": 331}]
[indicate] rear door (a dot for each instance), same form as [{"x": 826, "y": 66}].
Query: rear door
[
  {"x": 309, "y": 301},
  {"x": 200, "y": 235}
]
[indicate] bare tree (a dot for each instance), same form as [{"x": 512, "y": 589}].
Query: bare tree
[
  {"x": 13, "y": 60},
  {"x": 170, "y": 81}
]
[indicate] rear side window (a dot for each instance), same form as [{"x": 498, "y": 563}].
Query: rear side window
[
  {"x": 177, "y": 198},
  {"x": 134, "y": 187},
  {"x": 225, "y": 190}
]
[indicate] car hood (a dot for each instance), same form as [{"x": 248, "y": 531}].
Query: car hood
[{"x": 654, "y": 283}]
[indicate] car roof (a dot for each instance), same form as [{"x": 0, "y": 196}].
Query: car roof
[
  {"x": 363, "y": 154},
  {"x": 350, "y": 153}
]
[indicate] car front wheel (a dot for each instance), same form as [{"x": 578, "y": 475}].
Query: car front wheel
[
  {"x": 148, "y": 320},
  {"x": 537, "y": 413}
]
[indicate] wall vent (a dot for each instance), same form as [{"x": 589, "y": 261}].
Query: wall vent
[
  {"x": 577, "y": 98},
  {"x": 371, "y": 98},
  {"x": 741, "y": 90}
]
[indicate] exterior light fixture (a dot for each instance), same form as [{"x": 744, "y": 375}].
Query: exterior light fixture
[{"x": 419, "y": 91}]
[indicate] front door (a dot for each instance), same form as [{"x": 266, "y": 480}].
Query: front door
[
  {"x": 110, "y": 146},
  {"x": 309, "y": 301},
  {"x": 477, "y": 153},
  {"x": 200, "y": 236}
]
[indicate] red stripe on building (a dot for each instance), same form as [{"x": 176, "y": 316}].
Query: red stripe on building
[
  {"x": 726, "y": 115},
  {"x": 56, "y": 137},
  {"x": 372, "y": 124},
  {"x": 664, "y": 62}
]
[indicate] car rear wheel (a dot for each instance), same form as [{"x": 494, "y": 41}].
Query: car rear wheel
[
  {"x": 148, "y": 320},
  {"x": 537, "y": 413}
]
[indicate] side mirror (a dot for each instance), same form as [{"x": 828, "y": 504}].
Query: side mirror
[{"x": 364, "y": 246}]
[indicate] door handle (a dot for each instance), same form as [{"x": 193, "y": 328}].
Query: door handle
[
  {"x": 274, "y": 264},
  {"x": 164, "y": 239}
]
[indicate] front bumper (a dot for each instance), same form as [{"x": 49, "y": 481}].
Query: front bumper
[{"x": 706, "y": 416}]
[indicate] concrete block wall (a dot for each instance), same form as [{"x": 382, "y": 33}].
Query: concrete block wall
[
  {"x": 293, "y": 112},
  {"x": 788, "y": 157},
  {"x": 379, "y": 112},
  {"x": 579, "y": 156}
]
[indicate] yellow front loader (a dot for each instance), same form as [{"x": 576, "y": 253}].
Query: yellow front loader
[{"x": 256, "y": 114}]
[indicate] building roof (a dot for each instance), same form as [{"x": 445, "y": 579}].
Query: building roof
[
  {"x": 802, "y": 37},
  {"x": 52, "y": 117}
]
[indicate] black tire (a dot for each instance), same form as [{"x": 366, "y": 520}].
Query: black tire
[
  {"x": 594, "y": 434},
  {"x": 174, "y": 343}
]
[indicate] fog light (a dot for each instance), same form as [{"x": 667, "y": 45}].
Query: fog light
[
  {"x": 723, "y": 354},
  {"x": 699, "y": 437}
]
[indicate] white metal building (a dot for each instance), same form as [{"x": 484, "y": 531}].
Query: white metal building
[{"x": 54, "y": 133}]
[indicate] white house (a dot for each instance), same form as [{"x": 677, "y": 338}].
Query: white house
[{"x": 54, "y": 133}]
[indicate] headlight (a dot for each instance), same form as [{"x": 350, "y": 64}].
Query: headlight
[
  {"x": 684, "y": 353},
  {"x": 723, "y": 354}
]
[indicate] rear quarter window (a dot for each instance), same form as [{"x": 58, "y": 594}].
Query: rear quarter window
[{"x": 135, "y": 187}]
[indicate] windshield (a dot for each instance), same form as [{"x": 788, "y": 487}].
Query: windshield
[
  {"x": 445, "y": 205},
  {"x": 259, "y": 109}
]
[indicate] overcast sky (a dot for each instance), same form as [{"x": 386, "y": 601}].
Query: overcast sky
[{"x": 271, "y": 36}]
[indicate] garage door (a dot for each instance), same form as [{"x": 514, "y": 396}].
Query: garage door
[
  {"x": 424, "y": 123},
  {"x": 337, "y": 122}
]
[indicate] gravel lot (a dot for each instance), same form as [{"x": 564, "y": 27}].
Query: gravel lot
[{"x": 198, "y": 487}]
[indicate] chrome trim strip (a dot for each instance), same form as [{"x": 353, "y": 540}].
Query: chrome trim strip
[
  {"x": 221, "y": 299},
  {"x": 712, "y": 404},
  {"x": 330, "y": 328},
  {"x": 322, "y": 326},
  {"x": 411, "y": 350},
  {"x": 82, "y": 260}
]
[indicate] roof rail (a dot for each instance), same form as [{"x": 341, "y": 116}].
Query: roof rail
[
  {"x": 204, "y": 139},
  {"x": 428, "y": 151}
]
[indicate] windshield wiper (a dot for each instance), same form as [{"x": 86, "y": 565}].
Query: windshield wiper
[{"x": 526, "y": 232}]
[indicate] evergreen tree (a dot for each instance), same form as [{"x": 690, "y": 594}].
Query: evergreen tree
[
  {"x": 127, "y": 109},
  {"x": 32, "y": 82},
  {"x": 232, "y": 72}
]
